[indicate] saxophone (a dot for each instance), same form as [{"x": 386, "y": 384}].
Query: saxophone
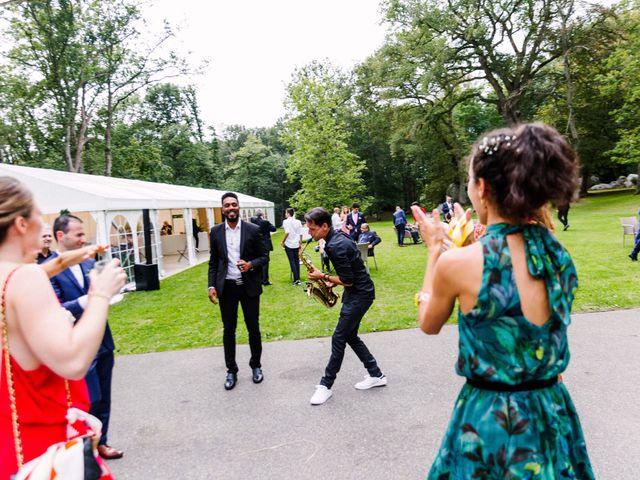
[{"x": 318, "y": 289}]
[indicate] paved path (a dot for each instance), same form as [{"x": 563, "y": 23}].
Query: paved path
[{"x": 175, "y": 420}]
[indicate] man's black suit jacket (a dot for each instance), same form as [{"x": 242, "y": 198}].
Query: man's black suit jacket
[
  {"x": 354, "y": 232},
  {"x": 266, "y": 227},
  {"x": 252, "y": 249}
]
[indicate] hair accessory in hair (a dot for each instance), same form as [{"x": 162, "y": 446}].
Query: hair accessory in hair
[{"x": 490, "y": 145}]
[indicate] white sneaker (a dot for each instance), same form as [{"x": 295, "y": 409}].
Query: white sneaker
[
  {"x": 321, "y": 395},
  {"x": 370, "y": 382}
]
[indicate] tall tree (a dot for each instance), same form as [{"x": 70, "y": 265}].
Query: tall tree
[
  {"x": 506, "y": 44},
  {"x": 249, "y": 170},
  {"x": 328, "y": 172},
  {"x": 52, "y": 45},
  {"x": 168, "y": 116},
  {"x": 126, "y": 65},
  {"x": 623, "y": 76}
]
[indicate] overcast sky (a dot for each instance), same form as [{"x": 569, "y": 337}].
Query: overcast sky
[{"x": 253, "y": 47}]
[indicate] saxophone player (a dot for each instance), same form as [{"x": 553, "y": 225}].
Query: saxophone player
[{"x": 358, "y": 296}]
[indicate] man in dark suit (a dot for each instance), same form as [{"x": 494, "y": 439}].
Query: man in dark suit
[
  {"x": 354, "y": 222},
  {"x": 195, "y": 231},
  {"x": 266, "y": 227},
  {"x": 447, "y": 209},
  {"x": 71, "y": 287},
  {"x": 370, "y": 237},
  {"x": 238, "y": 254}
]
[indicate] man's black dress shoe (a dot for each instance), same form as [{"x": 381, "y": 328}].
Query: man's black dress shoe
[
  {"x": 231, "y": 380},
  {"x": 257, "y": 375}
]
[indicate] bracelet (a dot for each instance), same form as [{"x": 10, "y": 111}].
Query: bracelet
[
  {"x": 421, "y": 297},
  {"x": 326, "y": 277},
  {"x": 101, "y": 295}
]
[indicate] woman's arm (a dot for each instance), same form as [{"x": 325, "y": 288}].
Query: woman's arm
[
  {"x": 437, "y": 297},
  {"x": 53, "y": 339},
  {"x": 71, "y": 258}
]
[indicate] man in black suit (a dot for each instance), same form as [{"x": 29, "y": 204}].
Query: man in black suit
[
  {"x": 238, "y": 254},
  {"x": 195, "y": 230},
  {"x": 266, "y": 227},
  {"x": 354, "y": 222}
]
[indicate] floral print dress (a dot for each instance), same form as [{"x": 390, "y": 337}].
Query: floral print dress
[{"x": 522, "y": 435}]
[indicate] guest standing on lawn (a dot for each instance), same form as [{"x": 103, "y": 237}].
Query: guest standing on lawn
[
  {"x": 515, "y": 287},
  {"x": 238, "y": 254},
  {"x": 400, "y": 223}
]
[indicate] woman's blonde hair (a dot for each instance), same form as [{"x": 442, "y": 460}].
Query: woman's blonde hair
[{"x": 15, "y": 201}]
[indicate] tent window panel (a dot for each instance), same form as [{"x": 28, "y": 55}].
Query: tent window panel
[
  {"x": 121, "y": 239},
  {"x": 155, "y": 242}
]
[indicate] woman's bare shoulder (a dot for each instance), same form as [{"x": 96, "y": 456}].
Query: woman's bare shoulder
[
  {"x": 29, "y": 274},
  {"x": 459, "y": 257}
]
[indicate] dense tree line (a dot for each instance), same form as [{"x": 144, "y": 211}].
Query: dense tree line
[{"x": 82, "y": 89}]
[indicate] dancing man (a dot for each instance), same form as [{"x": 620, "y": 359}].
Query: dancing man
[{"x": 358, "y": 296}]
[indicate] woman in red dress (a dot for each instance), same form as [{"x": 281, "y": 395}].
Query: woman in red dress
[{"x": 44, "y": 344}]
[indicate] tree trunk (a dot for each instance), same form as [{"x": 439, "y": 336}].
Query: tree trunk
[
  {"x": 108, "y": 160},
  {"x": 67, "y": 148},
  {"x": 571, "y": 121},
  {"x": 81, "y": 139},
  {"x": 509, "y": 109},
  {"x": 460, "y": 163}
]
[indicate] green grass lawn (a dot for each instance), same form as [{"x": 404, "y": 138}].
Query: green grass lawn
[{"x": 180, "y": 315}]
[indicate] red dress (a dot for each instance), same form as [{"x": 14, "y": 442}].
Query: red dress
[{"x": 41, "y": 402}]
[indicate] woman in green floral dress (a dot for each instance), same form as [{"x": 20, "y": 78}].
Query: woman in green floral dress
[{"x": 514, "y": 418}]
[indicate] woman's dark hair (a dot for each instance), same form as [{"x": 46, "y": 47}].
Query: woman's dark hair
[
  {"x": 524, "y": 168},
  {"x": 318, "y": 216},
  {"x": 15, "y": 201}
]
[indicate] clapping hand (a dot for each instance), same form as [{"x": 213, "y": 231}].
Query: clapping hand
[
  {"x": 460, "y": 231},
  {"x": 432, "y": 230}
]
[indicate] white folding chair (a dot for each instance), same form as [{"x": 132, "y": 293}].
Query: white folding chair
[
  {"x": 629, "y": 227},
  {"x": 364, "y": 250}
]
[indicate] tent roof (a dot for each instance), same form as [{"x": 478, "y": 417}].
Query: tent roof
[{"x": 55, "y": 190}]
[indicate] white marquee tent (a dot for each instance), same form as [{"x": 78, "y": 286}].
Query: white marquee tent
[{"x": 109, "y": 200}]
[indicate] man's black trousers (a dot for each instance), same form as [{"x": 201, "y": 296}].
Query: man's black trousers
[
  {"x": 233, "y": 295},
  {"x": 346, "y": 333}
]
